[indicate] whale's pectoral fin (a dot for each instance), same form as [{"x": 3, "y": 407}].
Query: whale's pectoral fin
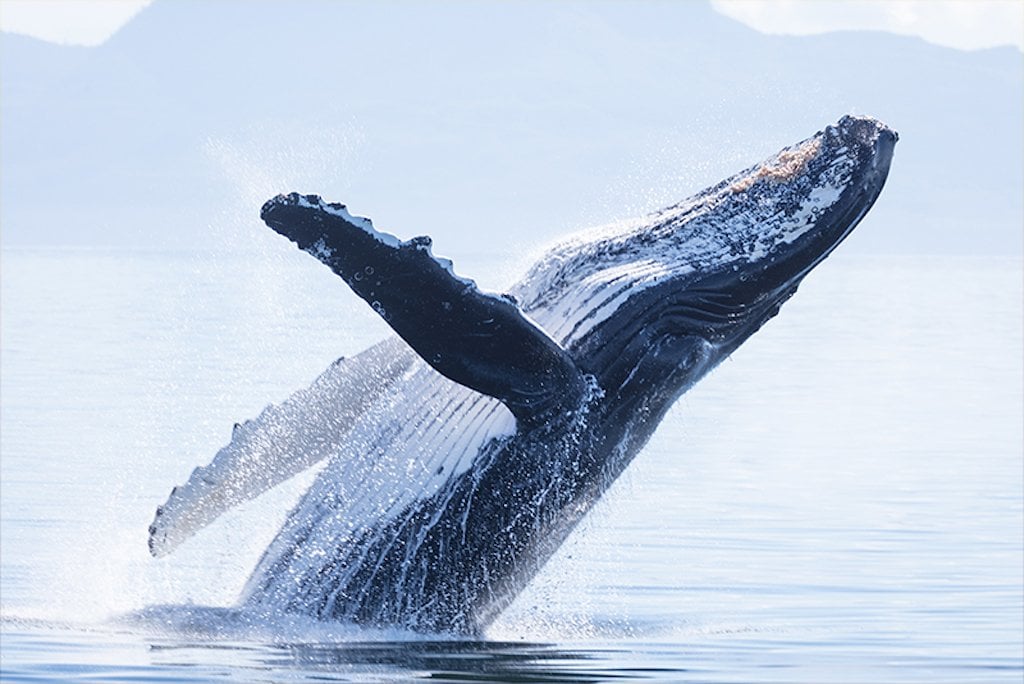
[
  {"x": 479, "y": 340},
  {"x": 286, "y": 439}
]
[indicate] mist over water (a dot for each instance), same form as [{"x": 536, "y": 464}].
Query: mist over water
[{"x": 843, "y": 495}]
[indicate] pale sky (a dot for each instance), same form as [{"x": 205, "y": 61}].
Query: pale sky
[
  {"x": 964, "y": 24},
  {"x": 77, "y": 22}
]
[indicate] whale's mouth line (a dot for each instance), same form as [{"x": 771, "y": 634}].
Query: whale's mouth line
[{"x": 858, "y": 207}]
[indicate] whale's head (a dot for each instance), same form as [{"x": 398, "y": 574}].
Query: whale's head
[{"x": 649, "y": 306}]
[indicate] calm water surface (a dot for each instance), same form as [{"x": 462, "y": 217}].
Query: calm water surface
[{"x": 840, "y": 501}]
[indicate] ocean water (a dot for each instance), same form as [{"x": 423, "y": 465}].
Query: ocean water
[{"x": 842, "y": 500}]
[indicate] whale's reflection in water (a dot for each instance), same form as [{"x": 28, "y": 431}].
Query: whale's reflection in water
[
  {"x": 249, "y": 646},
  {"x": 434, "y": 660}
]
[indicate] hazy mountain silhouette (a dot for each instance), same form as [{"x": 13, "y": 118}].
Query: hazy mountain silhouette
[{"x": 483, "y": 124}]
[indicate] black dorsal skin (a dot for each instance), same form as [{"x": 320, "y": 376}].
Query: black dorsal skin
[{"x": 647, "y": 312}]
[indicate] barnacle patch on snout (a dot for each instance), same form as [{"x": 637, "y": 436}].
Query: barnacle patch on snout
[{"x": 782, "y": 167}]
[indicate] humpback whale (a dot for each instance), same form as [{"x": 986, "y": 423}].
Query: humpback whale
[{"x": 463, "y": 451}]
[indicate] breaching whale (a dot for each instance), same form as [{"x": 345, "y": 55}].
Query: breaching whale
[{"x": 461, "y": 453}]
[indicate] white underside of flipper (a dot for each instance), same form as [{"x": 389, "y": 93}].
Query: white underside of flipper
[{"x": 284, "y": 440}]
